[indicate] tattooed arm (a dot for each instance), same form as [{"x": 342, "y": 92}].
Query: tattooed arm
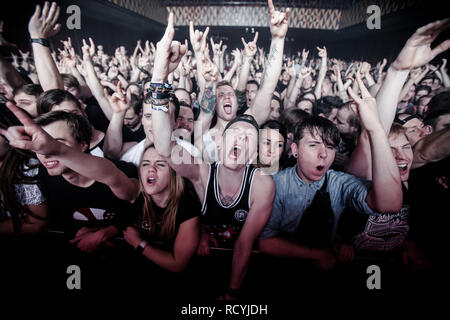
[{"x": 272, "y": 70}]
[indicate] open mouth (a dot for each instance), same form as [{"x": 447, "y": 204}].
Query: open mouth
[
  {"x": 227, "y": 108},
  {"x": 320, "y": 168},
  {"x": 151, "y": 181},
  {"x": 403, "y": 168},
  {"x": 235, "y": 152},
  {"x": 51, "y": 164}
]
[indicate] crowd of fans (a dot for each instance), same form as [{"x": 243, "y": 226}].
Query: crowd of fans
[{"x": 182, "y": 148}]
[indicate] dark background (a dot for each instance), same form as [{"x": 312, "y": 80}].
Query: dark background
[{"x": 111, "y": 26}]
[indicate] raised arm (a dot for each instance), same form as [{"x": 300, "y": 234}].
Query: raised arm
[
  {"x": 92, "y": 81},
  {"x": 278, "y": 29},
  {"x": 43, "y": 25},
  {"x": 417, "y": 52},
  {"x": 248, "y": 54},
  {"x": 32, "y": 137},
  {"x": 322, "y": 72},
  {"x": 386, "y": 193}
]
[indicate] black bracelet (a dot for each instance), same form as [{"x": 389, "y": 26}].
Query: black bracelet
[
  {"x": 141, "y": 246},
  {"x": 41, "y": 41},
  {"x": 234, "y": 293}
]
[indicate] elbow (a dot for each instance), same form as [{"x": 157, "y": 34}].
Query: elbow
[
  {"x": 392, "y": 206},
  {"x": 177, "y": 267},
  {"x": 265, "y": 246}
]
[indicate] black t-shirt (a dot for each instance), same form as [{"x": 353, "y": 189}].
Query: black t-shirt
[
  {"x": 95, "y": 114},
  {"x": 72, "y": 207},
  {"x": 129, "y": 135},
  {"x": 188, "y": 208},
  {"x": 100, "y": 122}
]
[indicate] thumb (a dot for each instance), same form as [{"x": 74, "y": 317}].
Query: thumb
[{"x": 76, "y": 239}]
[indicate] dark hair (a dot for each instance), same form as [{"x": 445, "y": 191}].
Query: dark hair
[
  {"x": 291, "y": 117},
  {"x": 253, "y": 82},
  {"x": 325, "y": 105},
  {"x": 439, "y": 101},
  {"x": 276, "y": 125},
  {"x": 50, "y": 98},
  {"x": 223, "y": 83},
  {"x": 244, "y": 118},
  {"x": 423, "y": 87},
  {"x": 98, "y": 65},
  {"x": 326, "y": 129},
  {"x": 13, "y": 170},
  {"x": 427, "y": 78},
  {"x": 29, "y": 89},
  {"x": 70, "y": 81},
  {"x": 136, "y": 104},
  {"x": 352, "y": 119},
  {"x": 431, "y": 118},
  {"x": 80, "y": 128},
  {"x": 308, "y": 93}
]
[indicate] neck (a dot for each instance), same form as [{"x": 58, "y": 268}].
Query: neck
[
  {"x": 136, "y": 127},
  {"x": 77, "y": 179},
  {"x": 228, "y": 178},
  {"x": 221, "y": 124},
  {"x": 161, "y": 199}
]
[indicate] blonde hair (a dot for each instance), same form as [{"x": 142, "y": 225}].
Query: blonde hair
[{"x": 176, "y": 189}]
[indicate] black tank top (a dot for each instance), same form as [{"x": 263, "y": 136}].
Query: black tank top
[{"x": 226, "y": 222}]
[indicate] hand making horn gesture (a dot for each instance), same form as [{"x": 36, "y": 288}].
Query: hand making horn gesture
[
  {"x": 250, "y": 48},
  {"x": 278, "y": 21},
  {"x": 168, "y": 53}
]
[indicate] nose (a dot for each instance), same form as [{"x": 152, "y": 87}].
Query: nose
[{"x": 323, "y": 152}]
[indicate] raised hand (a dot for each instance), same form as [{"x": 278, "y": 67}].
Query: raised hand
[
  {"x": 31, "y": 136},
  {"x": 197, "y": 38},
  {"x": 250, "y": 48},
  {"x": 305, "y": 54},
  {"x": 88, "y": 49},
  {"x": 168, "y": 53},
  {"x": 119, "y": 101},
  {"x": 209, "y": 70},
  {"x": 366, "y": 107},
  {"x": 215, "y": 47},
  {"x": 364, "y": 68},
  {"x": 322, "y": 52},
  {"x": 237, "y": 56},
  {"x": 278, "y": 21},
  {"x": 43, "y": 24},
  {"x": 417, "y": 50}
]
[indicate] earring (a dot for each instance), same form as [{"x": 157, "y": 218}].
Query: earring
[{"x": 295, "y": 155}]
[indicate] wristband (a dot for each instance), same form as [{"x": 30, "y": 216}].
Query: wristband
[
  {"x": 159, "y": 95},
  {"x": 41, "y": 41},
  {"x": 160, "y": 87},
  {"x": 161, "y": 107},
  {"x": 234, "y": 293},
  {"x": 141, "y": 246}
]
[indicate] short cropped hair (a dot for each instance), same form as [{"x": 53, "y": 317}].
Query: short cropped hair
[{"x": 326, "y": 129}]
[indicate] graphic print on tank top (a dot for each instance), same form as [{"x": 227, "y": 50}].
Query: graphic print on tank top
[{"x": 224, "y": 223}]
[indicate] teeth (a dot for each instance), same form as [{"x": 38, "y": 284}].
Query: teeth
[
  {"x": 151, "y": 180},
  {"x": 403, "y": 166}
]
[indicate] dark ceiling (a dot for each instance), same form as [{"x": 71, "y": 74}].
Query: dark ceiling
[{"x": 326, "y": 4}]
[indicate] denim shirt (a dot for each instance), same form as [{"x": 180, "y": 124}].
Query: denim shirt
[{"x": 293, "y": 196}]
